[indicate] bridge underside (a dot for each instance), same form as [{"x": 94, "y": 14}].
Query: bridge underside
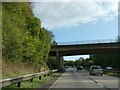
[{"x": 85, "y": 51}]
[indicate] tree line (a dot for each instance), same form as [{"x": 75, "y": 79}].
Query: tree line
[{"x": 104, "y": 60}]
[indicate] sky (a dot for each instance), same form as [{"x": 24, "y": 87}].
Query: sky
[{"x": 79, "y": 21}]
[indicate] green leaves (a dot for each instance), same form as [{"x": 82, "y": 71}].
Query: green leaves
[
  {"x": 33, "y": 25},
  {"x": 23, "y": 38},
  {"x": 105, "y": 60}
]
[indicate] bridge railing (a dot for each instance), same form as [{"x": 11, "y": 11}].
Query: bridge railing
[{"x": 88, "y": 42}]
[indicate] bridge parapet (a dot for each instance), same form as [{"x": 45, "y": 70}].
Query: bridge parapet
[{"x": 88, "y": 42}]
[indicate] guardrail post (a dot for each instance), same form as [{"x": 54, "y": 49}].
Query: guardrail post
[
  {"x": 19, "y": 84},
  {"x": 44, "y": 75},
  {"x": 51, "y": 73},
  {"x": 31, "y": 80},
  {"x": 39, "y": 77}
]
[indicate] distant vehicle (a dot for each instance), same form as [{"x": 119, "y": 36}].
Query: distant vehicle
[
  {"x": 109, "y": 68},
  {"x": 95, "y": 70},
  {"x": 74, "y": 66},
  {"x": 66, "y": 66},
  {"x": 80, "y": 68}
]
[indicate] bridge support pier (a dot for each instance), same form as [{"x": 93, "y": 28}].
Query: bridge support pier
[{"x": 59, "y": 61}]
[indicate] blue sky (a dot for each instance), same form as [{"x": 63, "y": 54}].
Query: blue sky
[
  {"x": 97, "y": 31},
  {"x": 79, "y": 21}
]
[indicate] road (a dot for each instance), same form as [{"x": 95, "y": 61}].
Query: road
[{"x": 81, "y": 79}]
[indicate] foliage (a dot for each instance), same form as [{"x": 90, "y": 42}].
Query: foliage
[
  {"x": 69, "y": 63},
  {"x": 54, "y": 43},
  {"x": 52, "y": 63},
  {"x": 23, "y": 37},
  {"x": 80, "y": 62},
  {"x": 105, "y": 60}
]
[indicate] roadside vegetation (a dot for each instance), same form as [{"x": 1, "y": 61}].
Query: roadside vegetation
[
  {"x": 115, "y": 73},
  {"x": 25, "y": 44}
]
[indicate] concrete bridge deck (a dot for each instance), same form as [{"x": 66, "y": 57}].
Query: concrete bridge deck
[{"x": 82, "y": 49}]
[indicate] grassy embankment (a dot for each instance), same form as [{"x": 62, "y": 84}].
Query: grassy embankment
[
  {"x": 15, "y": 69},
  {"x": 25, "y": 44}
]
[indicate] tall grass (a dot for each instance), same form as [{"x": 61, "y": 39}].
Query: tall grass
[{"x": 14, "y": 69}]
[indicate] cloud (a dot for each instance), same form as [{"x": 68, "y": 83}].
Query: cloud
[{"x": 67, "y": 14}]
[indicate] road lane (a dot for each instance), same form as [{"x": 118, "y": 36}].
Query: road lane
[
  {"x": 107, "y": 81},
  {"x": 80, "y": 79}
]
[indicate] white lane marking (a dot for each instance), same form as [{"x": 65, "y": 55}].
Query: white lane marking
[
  {"x": 100, "y": 84},
  {"x": 55, "y": 83},
  {"x": 97, "y": 82}
]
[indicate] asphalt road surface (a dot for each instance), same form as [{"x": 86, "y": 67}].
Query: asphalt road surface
[{"x": 82, "y": 80}]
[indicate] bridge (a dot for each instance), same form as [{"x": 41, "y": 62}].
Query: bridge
[{"x": 100, "y": 47}]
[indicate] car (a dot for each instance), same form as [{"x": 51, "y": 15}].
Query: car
[
  {"x": 66, "y": 66},
  {"x": 109, "y": 68},
  {"x": 95, "y": 70},
  {"x": 80, "y": 68}
]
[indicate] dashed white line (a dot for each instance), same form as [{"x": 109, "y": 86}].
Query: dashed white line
[{"x": 100, "y": 84}]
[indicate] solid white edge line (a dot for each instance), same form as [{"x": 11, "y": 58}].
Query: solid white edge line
[{"x": 55, "y": 83}]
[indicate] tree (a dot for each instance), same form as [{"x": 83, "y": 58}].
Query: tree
[{"x": 23, "y": 37}]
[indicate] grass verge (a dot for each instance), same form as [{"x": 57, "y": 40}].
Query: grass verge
[{"x": 112, "y": 73}]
